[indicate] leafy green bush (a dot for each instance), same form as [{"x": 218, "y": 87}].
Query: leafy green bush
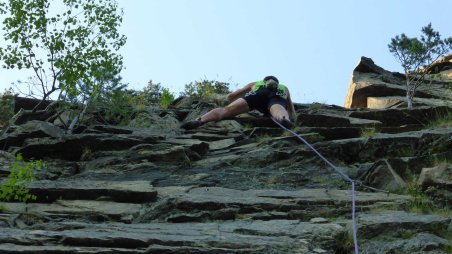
[
  {"x": 206, "y": 88},
  {"x": 166, "y": 98},
  {"x": 152, "y": 92},
  {"x": 110, "y": 99},
  {"x": 21, "y": 174},
  {"x": 155, "y": 93},
  {"x": 101, "y": 96},
  {"x": 6, "y": 106},
  {"x": 119, "y": 106}
]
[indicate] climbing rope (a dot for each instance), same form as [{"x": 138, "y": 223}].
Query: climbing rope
[{"x": 343, "y": 175}]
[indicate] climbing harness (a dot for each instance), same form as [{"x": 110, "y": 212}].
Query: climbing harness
[{"x": 343, "y": 175}]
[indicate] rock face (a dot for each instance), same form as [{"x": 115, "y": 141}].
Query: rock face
[
  {"x": 442, "y": 65},
  {"x": 373, "y": 87},
  {"x": 440, "y": 175},
  {"x": 236, "y": 186}
]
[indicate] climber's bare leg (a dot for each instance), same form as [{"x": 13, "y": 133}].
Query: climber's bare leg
[
  {"x": 278, "y": 112},
  {"x": 236, "y": 107}
]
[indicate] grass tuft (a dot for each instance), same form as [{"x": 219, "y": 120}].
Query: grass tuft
[
  {"x": 443, "y": 121},
  {"x": 368, "y": 132},
  {"x": 263, "y": 139}
]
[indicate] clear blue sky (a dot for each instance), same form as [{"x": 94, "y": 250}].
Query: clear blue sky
[{"x": 311, "y": 46}]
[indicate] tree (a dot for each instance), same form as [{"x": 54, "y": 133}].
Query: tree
[
  {"x": 155, "y": 93},
  {"x": 206, "y": 88},
  {"x": 417, "y": 55},
  {"x": 94, "y": 93},
  {"x": 77, "y": 44}
]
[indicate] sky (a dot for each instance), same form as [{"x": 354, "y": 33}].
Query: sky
[{"x": 310, "y": 46}]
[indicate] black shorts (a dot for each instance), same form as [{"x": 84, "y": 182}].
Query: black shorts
[{"x": 263, "y": 99}]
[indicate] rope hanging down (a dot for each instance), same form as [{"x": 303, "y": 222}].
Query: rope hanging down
[{"x": 343, "y": 175}]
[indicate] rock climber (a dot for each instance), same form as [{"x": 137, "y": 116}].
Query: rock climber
[{"x": 268, "y": 96}]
